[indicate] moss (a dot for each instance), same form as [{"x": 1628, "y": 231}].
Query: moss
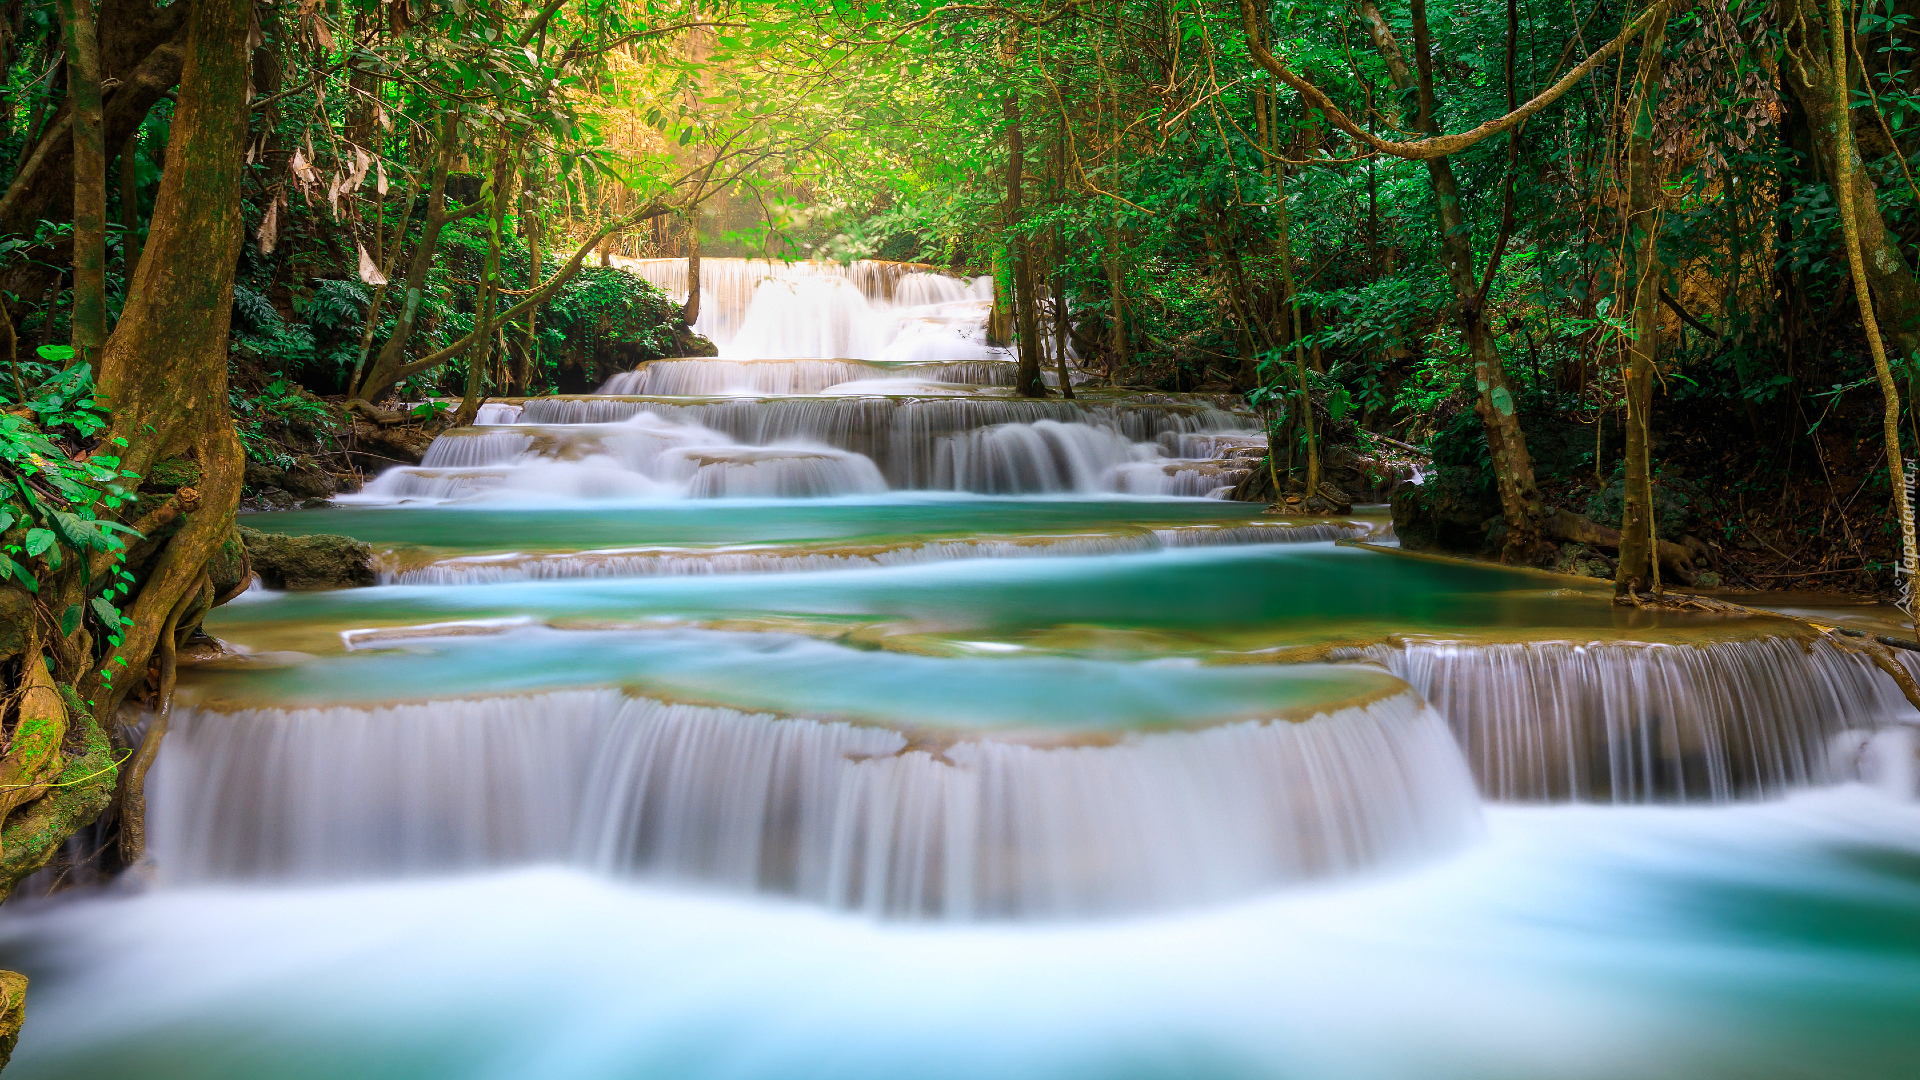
[
  {"x": 172, "y": 475},
  {"x": 35, "y": 832}
]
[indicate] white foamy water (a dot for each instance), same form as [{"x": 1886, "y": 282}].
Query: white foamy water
[
  {"x": 1577, "y": 943},
  {"x": 1639, "y": 722},
  {"x": 849, "y": 816},
  {"x": 818, "y": 446},
  {"x": 865, "y": 310}
]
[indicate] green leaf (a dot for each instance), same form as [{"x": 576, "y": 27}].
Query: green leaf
[
  {"x": 55, "y": 353},
  {"x": 70, "y": 621},
  {"x": 38, "y": 541},
  {"x": 109, "y": 615},
  {"x": 20, "y": 572}
]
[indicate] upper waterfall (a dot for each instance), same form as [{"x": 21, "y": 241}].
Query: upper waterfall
[{"x": 865, "y": 310}]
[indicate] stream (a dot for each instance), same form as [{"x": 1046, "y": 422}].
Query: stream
[{"x": 822, "y": 710}]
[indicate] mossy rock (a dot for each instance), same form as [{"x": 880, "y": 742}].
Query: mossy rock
[{"x": 320, "y": 561}]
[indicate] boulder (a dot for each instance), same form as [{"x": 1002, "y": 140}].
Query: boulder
[{"x": 320, "y": 561}]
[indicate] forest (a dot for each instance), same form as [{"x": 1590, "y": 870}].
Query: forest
[{"x": 1628, "y": 291}]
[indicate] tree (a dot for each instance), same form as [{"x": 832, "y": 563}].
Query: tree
[{"x": 116, "y": 574}]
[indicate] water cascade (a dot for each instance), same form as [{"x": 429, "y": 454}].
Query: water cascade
[
  {"x": 811, "y": 446},
  {"x": 851, "y": 816},
  {"x": 676, "y": 701},
  {"x": 866, "y": 310},
  {"x": 1639, "y": 722}
]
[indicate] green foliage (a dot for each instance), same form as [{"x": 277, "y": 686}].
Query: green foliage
[{"x": 56, "y": 507}]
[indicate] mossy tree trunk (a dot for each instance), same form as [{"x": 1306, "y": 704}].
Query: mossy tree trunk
[
  {"x": 163, "y": 374},
  {"x": 89, "y": 181}
]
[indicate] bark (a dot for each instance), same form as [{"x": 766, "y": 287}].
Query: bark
[
  {"x": 1000, "y": 319},
  {"x": 89, "y": 181},
  {"x": 1303, "y": 408},
  {"x": 130, "y": 205},
  {"x": 1638, "y": 571},
  {"x": 523, "y": 363},
  {"x": 1494, "y": 402},
  {"x": 1122, "y": 344},
  {"x": 133, "y": 785},
  {"x": 1026, "y": 382},
  {"x": 1846, "y": 166},
  {"x": 1820, "y": 86},
  {"x": 164, "y": 375},
  {"x": 164, "y": 371},
  {"x": 691, "y": 312}
]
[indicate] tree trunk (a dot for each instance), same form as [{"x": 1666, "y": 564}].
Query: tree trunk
[
  {"x": 500, "y": 198},
  {"x": 164, "y": 374},
  {"x": 691, "y": 312},
  {"x": 1846, "y": 163},
  {"x": 1520, "y": 503},
  {"x": 1026, "y": 382},
  {"x": 1304, "y": 396},
  {"x": 1638, "y": 569},
  {"x": 1122, "y": 344},
  {"x": 1820, "y": 87},
  {"x": 89, "y": 182},
  {"x": 384, "y": 373},
  {"x": 130, "y": 205}
]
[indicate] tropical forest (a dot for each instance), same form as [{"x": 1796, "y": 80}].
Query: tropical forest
[{"x": 1034, "y": 539}]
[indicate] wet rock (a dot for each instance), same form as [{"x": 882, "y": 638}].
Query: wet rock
[
  {"x": 692, "y": 344},
  {"x": 261, "y": 476},
  {"x": 1584, "y": 561},
  {"x": 268, "y": 499},
  {"x": 228, "y": 570},
  {"x": 320, "y": 561},
  {"x": 374, "y": 448},
  {"x": 309, "y": 481}
]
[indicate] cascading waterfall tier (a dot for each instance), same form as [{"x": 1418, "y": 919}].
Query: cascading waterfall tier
[
  {"x": 714, "y": 378},
  {"x": 645, "y": 447},
  {"x": 860, "y": 817},
  {"x": 868, "y": 309},
  {"x": 394, "y": 568},
  {"x": 1629, "y": 722}
]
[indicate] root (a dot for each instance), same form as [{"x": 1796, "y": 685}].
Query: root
[
  {"x": 133, "y": 791},
  {"x": 33, "y": 756}
]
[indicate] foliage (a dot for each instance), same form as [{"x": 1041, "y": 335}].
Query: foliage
[{"x": 57, "y": 505}]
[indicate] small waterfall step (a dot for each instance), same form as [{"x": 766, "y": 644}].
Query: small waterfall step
[
  {"x": 890, "y": 822},
  {"x": 603, "y": 446}
]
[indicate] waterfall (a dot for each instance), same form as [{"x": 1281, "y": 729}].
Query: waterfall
[
  {"x": 649, "y": 457},
  {"x": 714, "y": 378},
  {"x": 852, "y": 816},
  {"x": 1640, "y": 722},
  {"x": 617, "y": 447},
  {"x": 638, "y": 562},
  {"x": 871, "y": 310}
]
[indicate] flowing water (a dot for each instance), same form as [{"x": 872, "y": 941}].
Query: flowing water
[{"x": 843, "y": 716}]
